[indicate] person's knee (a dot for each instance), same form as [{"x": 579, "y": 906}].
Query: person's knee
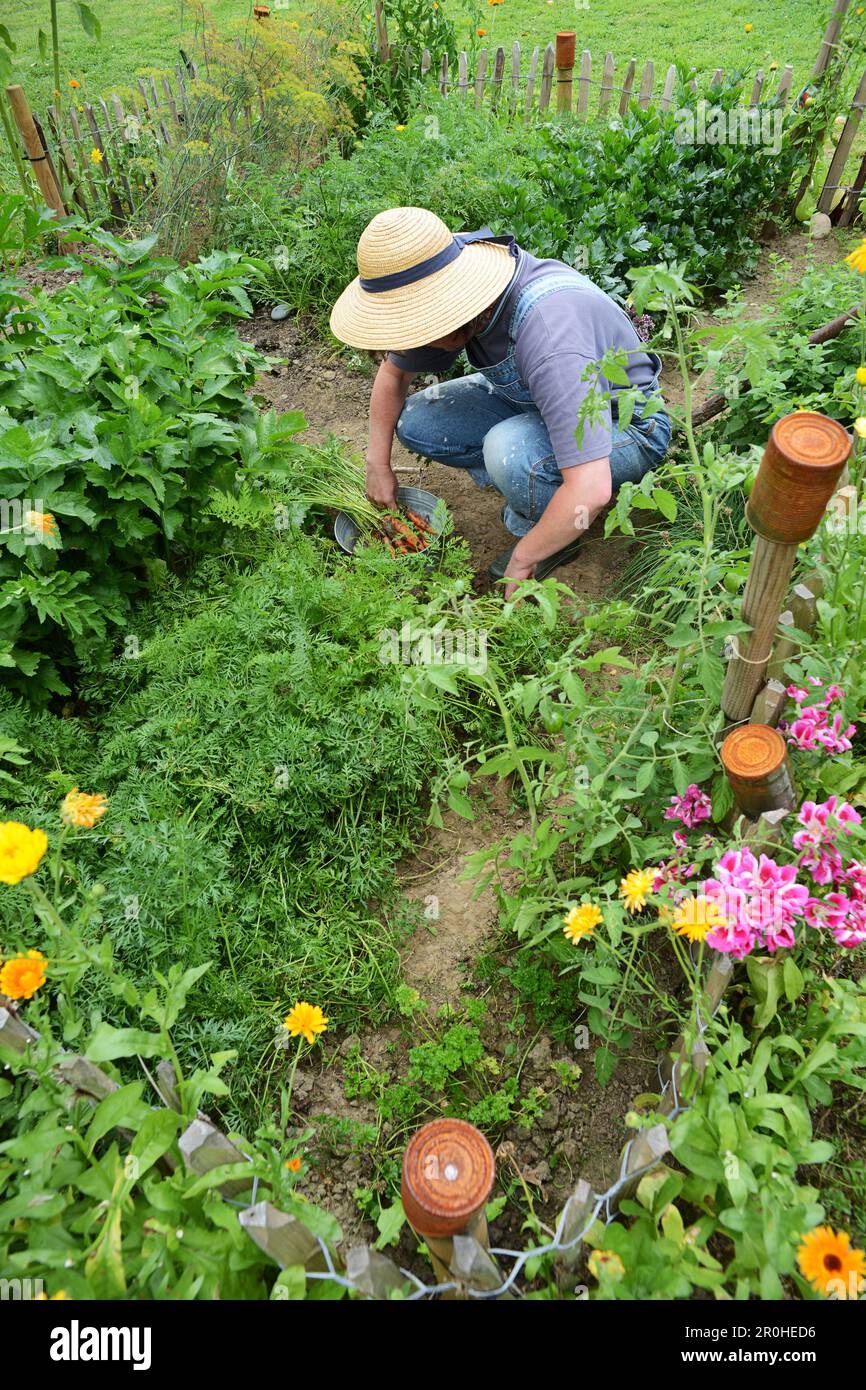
[{"x": 502, "y": 454}]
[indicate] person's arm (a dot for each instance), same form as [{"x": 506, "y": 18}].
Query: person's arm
[
  {"x": 386, "y": 401},
  {"x": 585, "y": 489}
]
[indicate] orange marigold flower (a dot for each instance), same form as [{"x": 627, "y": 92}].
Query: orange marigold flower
[
  {"x": 43, "y": 522},
  {"x": 481, "y": 33},
  {"x": 831, "y": 1266},
  {"x": 21, "y": 976},
  {"x": 73, "y": 83},
  {"x": 21, "y": 850},
  {"x": 83, "y": 809},
  {"x": 294, "y": 1165},
  {"x": 307, "y": 1020}
]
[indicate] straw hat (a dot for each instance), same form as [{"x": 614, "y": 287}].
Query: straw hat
[{"x": 417, "y": 282}]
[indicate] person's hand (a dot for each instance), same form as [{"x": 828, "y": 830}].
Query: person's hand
[
  {"x": 382, "y": 485},
  {"x": 517, "y": 569}
]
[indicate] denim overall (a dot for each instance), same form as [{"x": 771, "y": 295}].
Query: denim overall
[{"x": 488, "y": 424}]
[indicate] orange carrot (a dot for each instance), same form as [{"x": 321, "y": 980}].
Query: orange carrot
[{"x": 419, "y": 523}]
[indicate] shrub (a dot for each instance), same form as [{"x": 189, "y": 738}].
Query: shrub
[{"x": 122, "y": 400}]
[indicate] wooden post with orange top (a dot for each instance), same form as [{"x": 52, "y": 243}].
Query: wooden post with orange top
[
  {"x": 802, "y": 463},
  {"x": 448, "y": 1173},
  {"x": 564, "y": 70},
  {"x": 755, "y": 759}
]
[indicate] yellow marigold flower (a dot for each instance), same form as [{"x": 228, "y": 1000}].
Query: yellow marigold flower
[
  {"x": 95, "y": 156},
  {"x": 857, "y": 258},
  {"x": 61, "y": 1294},
  {"x": 306, "y": 1019},
  {"x": 294, "y": 1165},
  {"x": 860, "y": 9},
  {"x": 861, "y": 376},
  {"x": 635, "y": 887},
  {"x": 21, "y": 976},
  {"x": 860, "y": 426},
  {"x": 73, "y": 84},
  {"x": 21, "y": 849},
  {"x": 57, "y": 93},
  {"x": 43, "y": 522},
  {"x": 581, "y": 920},
  {"x": 748, "y": 28},
  {"x": 694, "y": 917},
  {"x": 827, "y": 1261},
  {"x": 605, "y": 1262},
  {"x": 83, "y": 809},
  {"x": 399, "y": 127}
]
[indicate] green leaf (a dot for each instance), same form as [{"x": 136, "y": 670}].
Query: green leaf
[
  {"x": 42, "y": 45},
  {"x": 793, "y": 979},
  {"x": 121, "y": 1107},
  {"x": 605, "y": 1065},
  {"x": 666, "y": 503},
  {"x": 389, "y": 1224},
  {"x": 156, "y": 1133},
  {"x": 108, "y": 1043},
  {"x": 89, "y": 23},
  {"x": 290, "y": 1286},
  {"x": 6, "y": 37}
]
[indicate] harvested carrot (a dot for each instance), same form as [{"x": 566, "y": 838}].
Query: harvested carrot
[
  {"x": 408, "y": 535},
  {"x": 419, "y": 523}
]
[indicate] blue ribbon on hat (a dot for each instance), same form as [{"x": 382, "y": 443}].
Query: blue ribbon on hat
[{"x": 413, "y": 273}]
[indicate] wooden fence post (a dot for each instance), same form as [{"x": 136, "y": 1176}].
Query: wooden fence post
[
  {"x": 755, "y": 760},
  {"x": 836, "y": 171},
  {"x": 564, "y": 69},
  {"x": 802, "y": 463},
  {"x": 448, "y": 1173},
  {"x": 831, "y": 34},
  {"x": 36, "y": 151}
]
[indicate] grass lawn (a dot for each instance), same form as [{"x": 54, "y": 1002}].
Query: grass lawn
[{"x": 705, "y": 33}]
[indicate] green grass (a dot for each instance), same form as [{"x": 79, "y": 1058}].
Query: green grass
[{"x": 704, "y": 33}]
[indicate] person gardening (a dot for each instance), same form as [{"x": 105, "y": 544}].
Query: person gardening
[{"x": 530, "y": 329}]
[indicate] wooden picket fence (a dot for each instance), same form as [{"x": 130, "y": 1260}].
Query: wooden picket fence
[{"x": 530, "y": 90}]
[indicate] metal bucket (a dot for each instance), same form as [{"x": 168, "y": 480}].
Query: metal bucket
[{"x": 415, "y": 498}]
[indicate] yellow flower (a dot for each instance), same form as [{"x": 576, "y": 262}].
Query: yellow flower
[
  {"x": 21, "y": 976},
  {"x": 306, "y": 1019},
  {"x": 399, "y": 127},
  {"x": 857, "y": 258},
  {"x": 43, "y": 522},
  {"x": 294, "y": 1165},
  {"x": 43, "y": 1297},
  {"x": 20, "y": 850},
  {"x": 581, "y": 920},
  {"x": 57, "y": 93},
  {"x": 826, "y": 1260},
  {"x": 635, "y": 887},
  {"x": 607, "y": 1263},
  {"x": 861, "y": 376},
  {"x": 748, "y": 28},
  {"x": 860, "y": 426},
  {"x": 95, "y": 156},
  {"x": 859, "y": 9},
  {"x": 694, "y": 917},
  {"x": 83, "y": 809}
]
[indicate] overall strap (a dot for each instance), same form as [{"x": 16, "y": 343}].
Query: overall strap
[{"x": 564, "y": 279}]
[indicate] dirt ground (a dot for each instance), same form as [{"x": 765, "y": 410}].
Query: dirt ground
[{"x": 581, "y": 1132}]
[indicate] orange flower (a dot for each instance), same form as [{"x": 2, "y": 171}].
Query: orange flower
[
  {"x": 83, "y": 809},
  {"x": 73, "y": 84},
  {"x": 831, "y": 1266},
  {"x": 481, "y": 33},
  {"x": 294, "y": 1165},
  {"x": 43, "y": 522},
  {"x": 21, "y": 977}
]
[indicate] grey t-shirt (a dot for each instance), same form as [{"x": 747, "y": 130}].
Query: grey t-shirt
[{"x": 565, "y": 332}]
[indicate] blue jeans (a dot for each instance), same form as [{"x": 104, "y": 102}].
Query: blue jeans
[{"x": 468, "y": 424}]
